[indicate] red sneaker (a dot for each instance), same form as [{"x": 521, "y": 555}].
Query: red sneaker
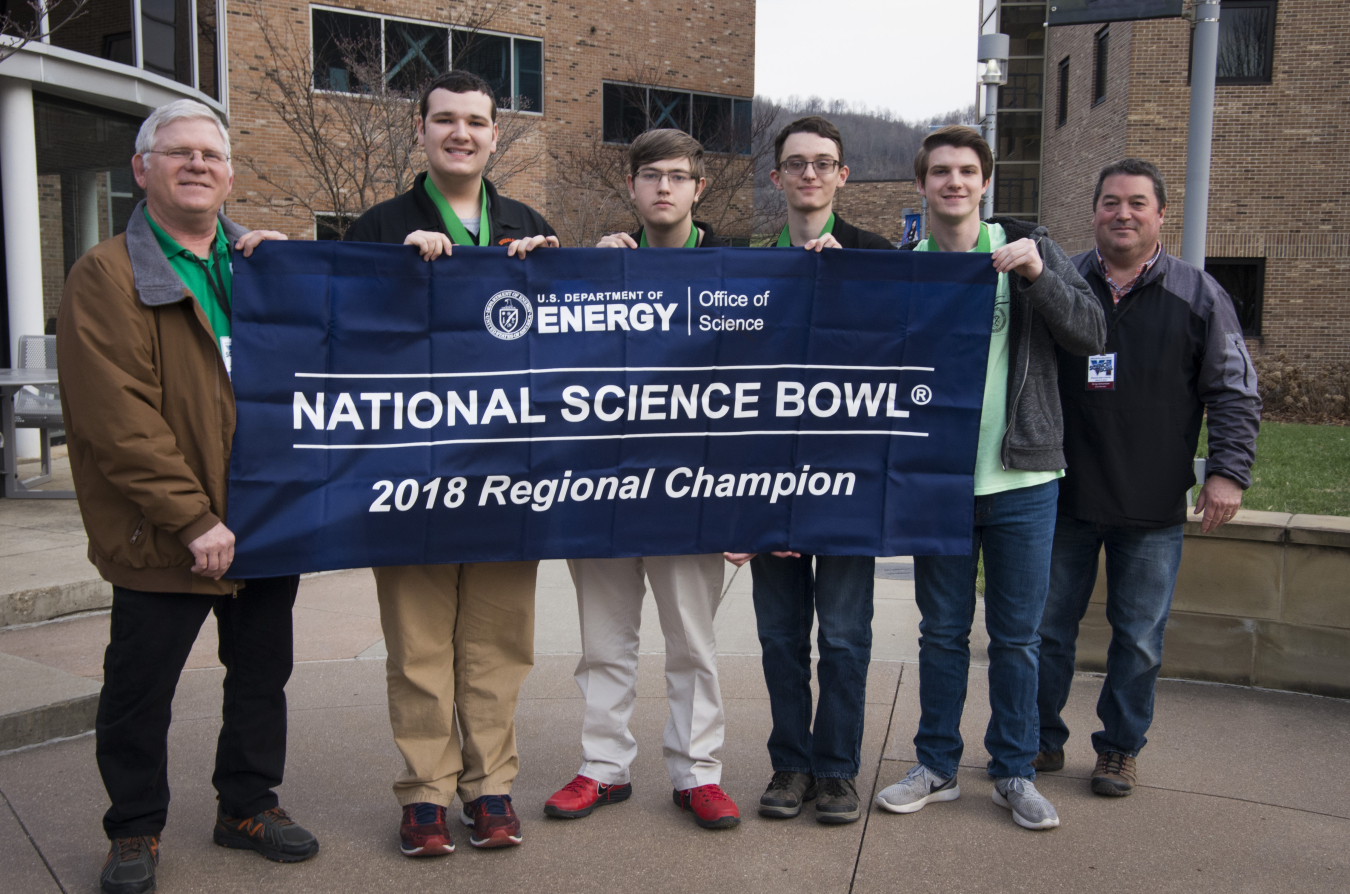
[
  {"x": 582, "y": 795},
  {"x": 712, "y": 808},
  {"x": 493, "y": 820},
  {"x": 424, "y": 833}
]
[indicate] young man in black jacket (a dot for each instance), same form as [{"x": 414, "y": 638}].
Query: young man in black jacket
[
  {"x": 1174, "y": 353},
  {"x": 814, "y": 761},
  {"x": 1041, "y": 305},
  {"x": 436, "y": 693}
]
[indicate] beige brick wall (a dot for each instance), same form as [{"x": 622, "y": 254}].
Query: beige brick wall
[
  {"x": 878, "y": 205},
  {"x": 1278, "y": 177},
  {"x": 701, "y": 45}
]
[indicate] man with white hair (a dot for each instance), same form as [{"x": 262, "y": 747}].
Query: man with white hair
[{"x": 144, "y": 339}]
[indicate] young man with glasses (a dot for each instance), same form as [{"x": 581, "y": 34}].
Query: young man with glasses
[
  {"x": 460, "y": 636},
  {"x": 665, "y": 182},
  {"x": 817, "y": 761},
  {"x": 1041, "y": 303}
]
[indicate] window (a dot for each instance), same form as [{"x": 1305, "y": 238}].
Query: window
[
  {"x": 165, "y": 39},
  {"x": 1246, "y": 41},
  {"x": 1063, "y": 117},
  {"x": 329, "y": 228},
  {"x": 1245, "y": 280},
  {"x": 720, "y": 123},
  {"x": 1103, "y": 44},
  {"x": 350, "y": 47}
]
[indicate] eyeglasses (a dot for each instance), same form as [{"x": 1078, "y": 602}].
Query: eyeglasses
[
  {"x": 182, "y": 155},
  {"x": 795, "y": 166},
  {"x": 651, "y": 178}
]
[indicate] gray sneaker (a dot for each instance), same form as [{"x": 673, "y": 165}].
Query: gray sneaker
[
  {"x": 1029, "y": 807},
  {"x": 920, "y": 786},
  {"x": 786, "y": 792}
]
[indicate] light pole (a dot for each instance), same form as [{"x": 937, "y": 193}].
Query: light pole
[
  {"x": 1204, "y": 69},
  {"x": 993, "y": 52}
]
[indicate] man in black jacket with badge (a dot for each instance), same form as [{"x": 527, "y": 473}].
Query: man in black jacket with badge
[
  {"x": 452, "y": 713},
  {"x": 1174, "y": 353}
]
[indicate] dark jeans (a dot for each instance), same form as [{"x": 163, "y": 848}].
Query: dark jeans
[
  {"x": 152, "y": 634},
  {"x": 1015, "y": 529},
  {"x": 1141, "y": 573},
  {"x": 787, "y": 597}
]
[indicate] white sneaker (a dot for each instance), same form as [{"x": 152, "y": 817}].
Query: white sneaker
[
  {"x": 1030, "y": 809},
  {"x": 920, "y": 786}
]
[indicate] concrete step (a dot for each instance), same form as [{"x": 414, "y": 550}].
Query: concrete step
[{"x": 40, "y": 703}]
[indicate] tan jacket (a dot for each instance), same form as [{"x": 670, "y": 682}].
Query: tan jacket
[{"x": 149, "y": 412}]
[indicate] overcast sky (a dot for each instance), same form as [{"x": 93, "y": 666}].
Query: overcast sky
[{"x": 915, "y": 57}]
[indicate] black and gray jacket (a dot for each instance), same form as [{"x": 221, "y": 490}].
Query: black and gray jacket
[
  {"x": 1179, "y": 354},
  {"x": 1058, "y": 312}
]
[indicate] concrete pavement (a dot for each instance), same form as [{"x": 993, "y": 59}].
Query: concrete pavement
[{"x": 1240, "y": 789}]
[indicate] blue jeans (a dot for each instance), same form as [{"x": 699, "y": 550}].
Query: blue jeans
[
  {"x": 787, "y": 597},
  {"x": 1141, "y": 573},
  {"x": 1014, "y": 528}
]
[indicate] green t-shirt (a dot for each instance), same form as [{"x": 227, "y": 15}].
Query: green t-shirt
[
  {"x": 210, "y": 280},
  {"x": 990, "y": 476}
]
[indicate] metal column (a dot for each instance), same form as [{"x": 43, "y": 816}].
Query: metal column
[{"x": 1199, "y": 140}]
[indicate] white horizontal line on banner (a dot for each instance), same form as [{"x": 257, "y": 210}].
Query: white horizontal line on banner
[
  {"x": 673, "y": 434},
  {"x": 579, "y": 369}
]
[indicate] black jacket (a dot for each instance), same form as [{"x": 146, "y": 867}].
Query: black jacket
[
  {"x": 1057, "y": 312},
  {"x": 709, "y": 240},
  {"x": 850, "y": 236},
  {"x": 391, "y": 221},
  {"x": 1179, "y": 353}
]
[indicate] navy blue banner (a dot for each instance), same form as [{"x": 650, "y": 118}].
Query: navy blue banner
[{"x": 602, "y": 402}]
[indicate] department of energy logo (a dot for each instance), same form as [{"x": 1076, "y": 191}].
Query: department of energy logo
[{"x": 508, "y": 314}]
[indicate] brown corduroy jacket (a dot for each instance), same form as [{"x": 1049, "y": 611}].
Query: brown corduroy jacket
[{"x": 149, "y": 412}]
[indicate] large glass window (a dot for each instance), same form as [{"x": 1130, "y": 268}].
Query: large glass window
[
  {"x": 104, "y": 30},
  {"x": 1246, "y": 41},
  {"x": 208, "y": 49},
  {"x": 348, "y": 45},
  {"x": 720, "y": 123},
  {"x": 1017, "y": 189},
  {"x": 1019, "y": 136},
  {"x": 166, "y": 38},
  {"x": 1023, "y": 90},
  {"x": 1244, "y": 279}
]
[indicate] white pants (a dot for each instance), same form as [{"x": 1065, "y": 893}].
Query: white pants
[{"x": 688, "y": 590}]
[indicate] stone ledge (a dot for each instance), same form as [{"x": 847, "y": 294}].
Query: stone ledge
[
  {"x": 45, "y": 603},
  {"x": 1320, "y": 530},
  {"x": 38, "y": 703}
]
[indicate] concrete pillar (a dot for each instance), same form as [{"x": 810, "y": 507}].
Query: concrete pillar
[
  {"x": 86, "y": 204},
  {"x": 23, "y": 245}
]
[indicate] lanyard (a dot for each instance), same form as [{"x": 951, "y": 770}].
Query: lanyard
[
  {"x": 982, "y": 244},
  {"x": 217, "y": 282},
  {"x": 458, "y": 234},
  {"x": 691, "y": 242},
  {"x": 785, "y": 241}
]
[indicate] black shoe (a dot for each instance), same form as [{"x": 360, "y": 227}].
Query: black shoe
[
  {"x": 271, "y": 833},
  {"x": 836, "y": 801},
  {"x": 786, "y": 793},
  {"x": 131, "y": 866},
  {"x": 1048, "y": 761}
]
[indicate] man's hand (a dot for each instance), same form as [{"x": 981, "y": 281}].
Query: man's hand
[
  {"x": 429, "y": 244},
  {"x": 617, "y": 240},
  {"x": 250, "y": 240},
  {"x": 1021, "y": 257},
  {"x": 822, "y": 242},
  {"x": 521, "y": 247},
  {"x": 214, "y": 551},
  {"x": 1219, "y": 501}
]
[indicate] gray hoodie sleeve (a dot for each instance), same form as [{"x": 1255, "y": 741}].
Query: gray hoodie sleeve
[
  {"x": 1065, "y": 301},
  {"x": 1227, "y": 386}
]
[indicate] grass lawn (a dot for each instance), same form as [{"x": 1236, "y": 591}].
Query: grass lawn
[{"x": 1299, "y": 468}]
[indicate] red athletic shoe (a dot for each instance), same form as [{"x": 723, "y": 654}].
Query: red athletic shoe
[
  {"x": 712, "y": 808},
  {"x": 582, "y": 795},
  {"x": 424, "y": 833},
  {"x": 493, "y": 821}
]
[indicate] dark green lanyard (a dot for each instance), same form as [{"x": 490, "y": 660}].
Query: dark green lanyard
[
  {"x": 217, "y": 282},
  {"x": 785, "y": 241},
  {"x": 458, "y": 234},
  {"x": 981, "y": 244},
  {"x": 691, "y": 242}
]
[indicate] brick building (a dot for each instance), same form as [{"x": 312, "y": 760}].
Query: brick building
[
  {"x": 1275, "y": 238},
  {"x": 879, "y": 205},
  {"x": 576, "y": 81}
]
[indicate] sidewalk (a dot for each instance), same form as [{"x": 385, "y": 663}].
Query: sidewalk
[{"x": 1240, "y": 789}]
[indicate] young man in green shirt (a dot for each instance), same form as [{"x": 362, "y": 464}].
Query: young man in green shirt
[{"x": 1041, "y": 301}]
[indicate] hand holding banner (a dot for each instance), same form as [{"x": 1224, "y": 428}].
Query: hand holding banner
[{"x": 593, "y": 402}]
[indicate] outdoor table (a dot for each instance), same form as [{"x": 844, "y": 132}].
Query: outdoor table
[{"x": 11, "y": 382}]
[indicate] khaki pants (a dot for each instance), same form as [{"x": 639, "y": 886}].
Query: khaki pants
[{"x": 460, "y": 641}]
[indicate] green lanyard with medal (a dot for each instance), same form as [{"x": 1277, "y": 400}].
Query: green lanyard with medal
[
  {"x": 458, "y": 233},
  {"x": 785, "y": 241},
  {"x": 691, "y": 242}
]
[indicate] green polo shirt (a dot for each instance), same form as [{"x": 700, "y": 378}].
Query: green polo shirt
[
  {"x": 990, "y": 476},
  {"x": 193, "y": 271}
]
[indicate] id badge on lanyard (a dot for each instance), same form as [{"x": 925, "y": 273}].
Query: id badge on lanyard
[
  {"x": 1101, "y": 372},
  {"x": 226, "y": 350}
]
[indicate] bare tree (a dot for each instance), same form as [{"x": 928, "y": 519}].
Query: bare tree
[
  {"x": 355, "y": 144},
  {"x": 33, "y": 20}
]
